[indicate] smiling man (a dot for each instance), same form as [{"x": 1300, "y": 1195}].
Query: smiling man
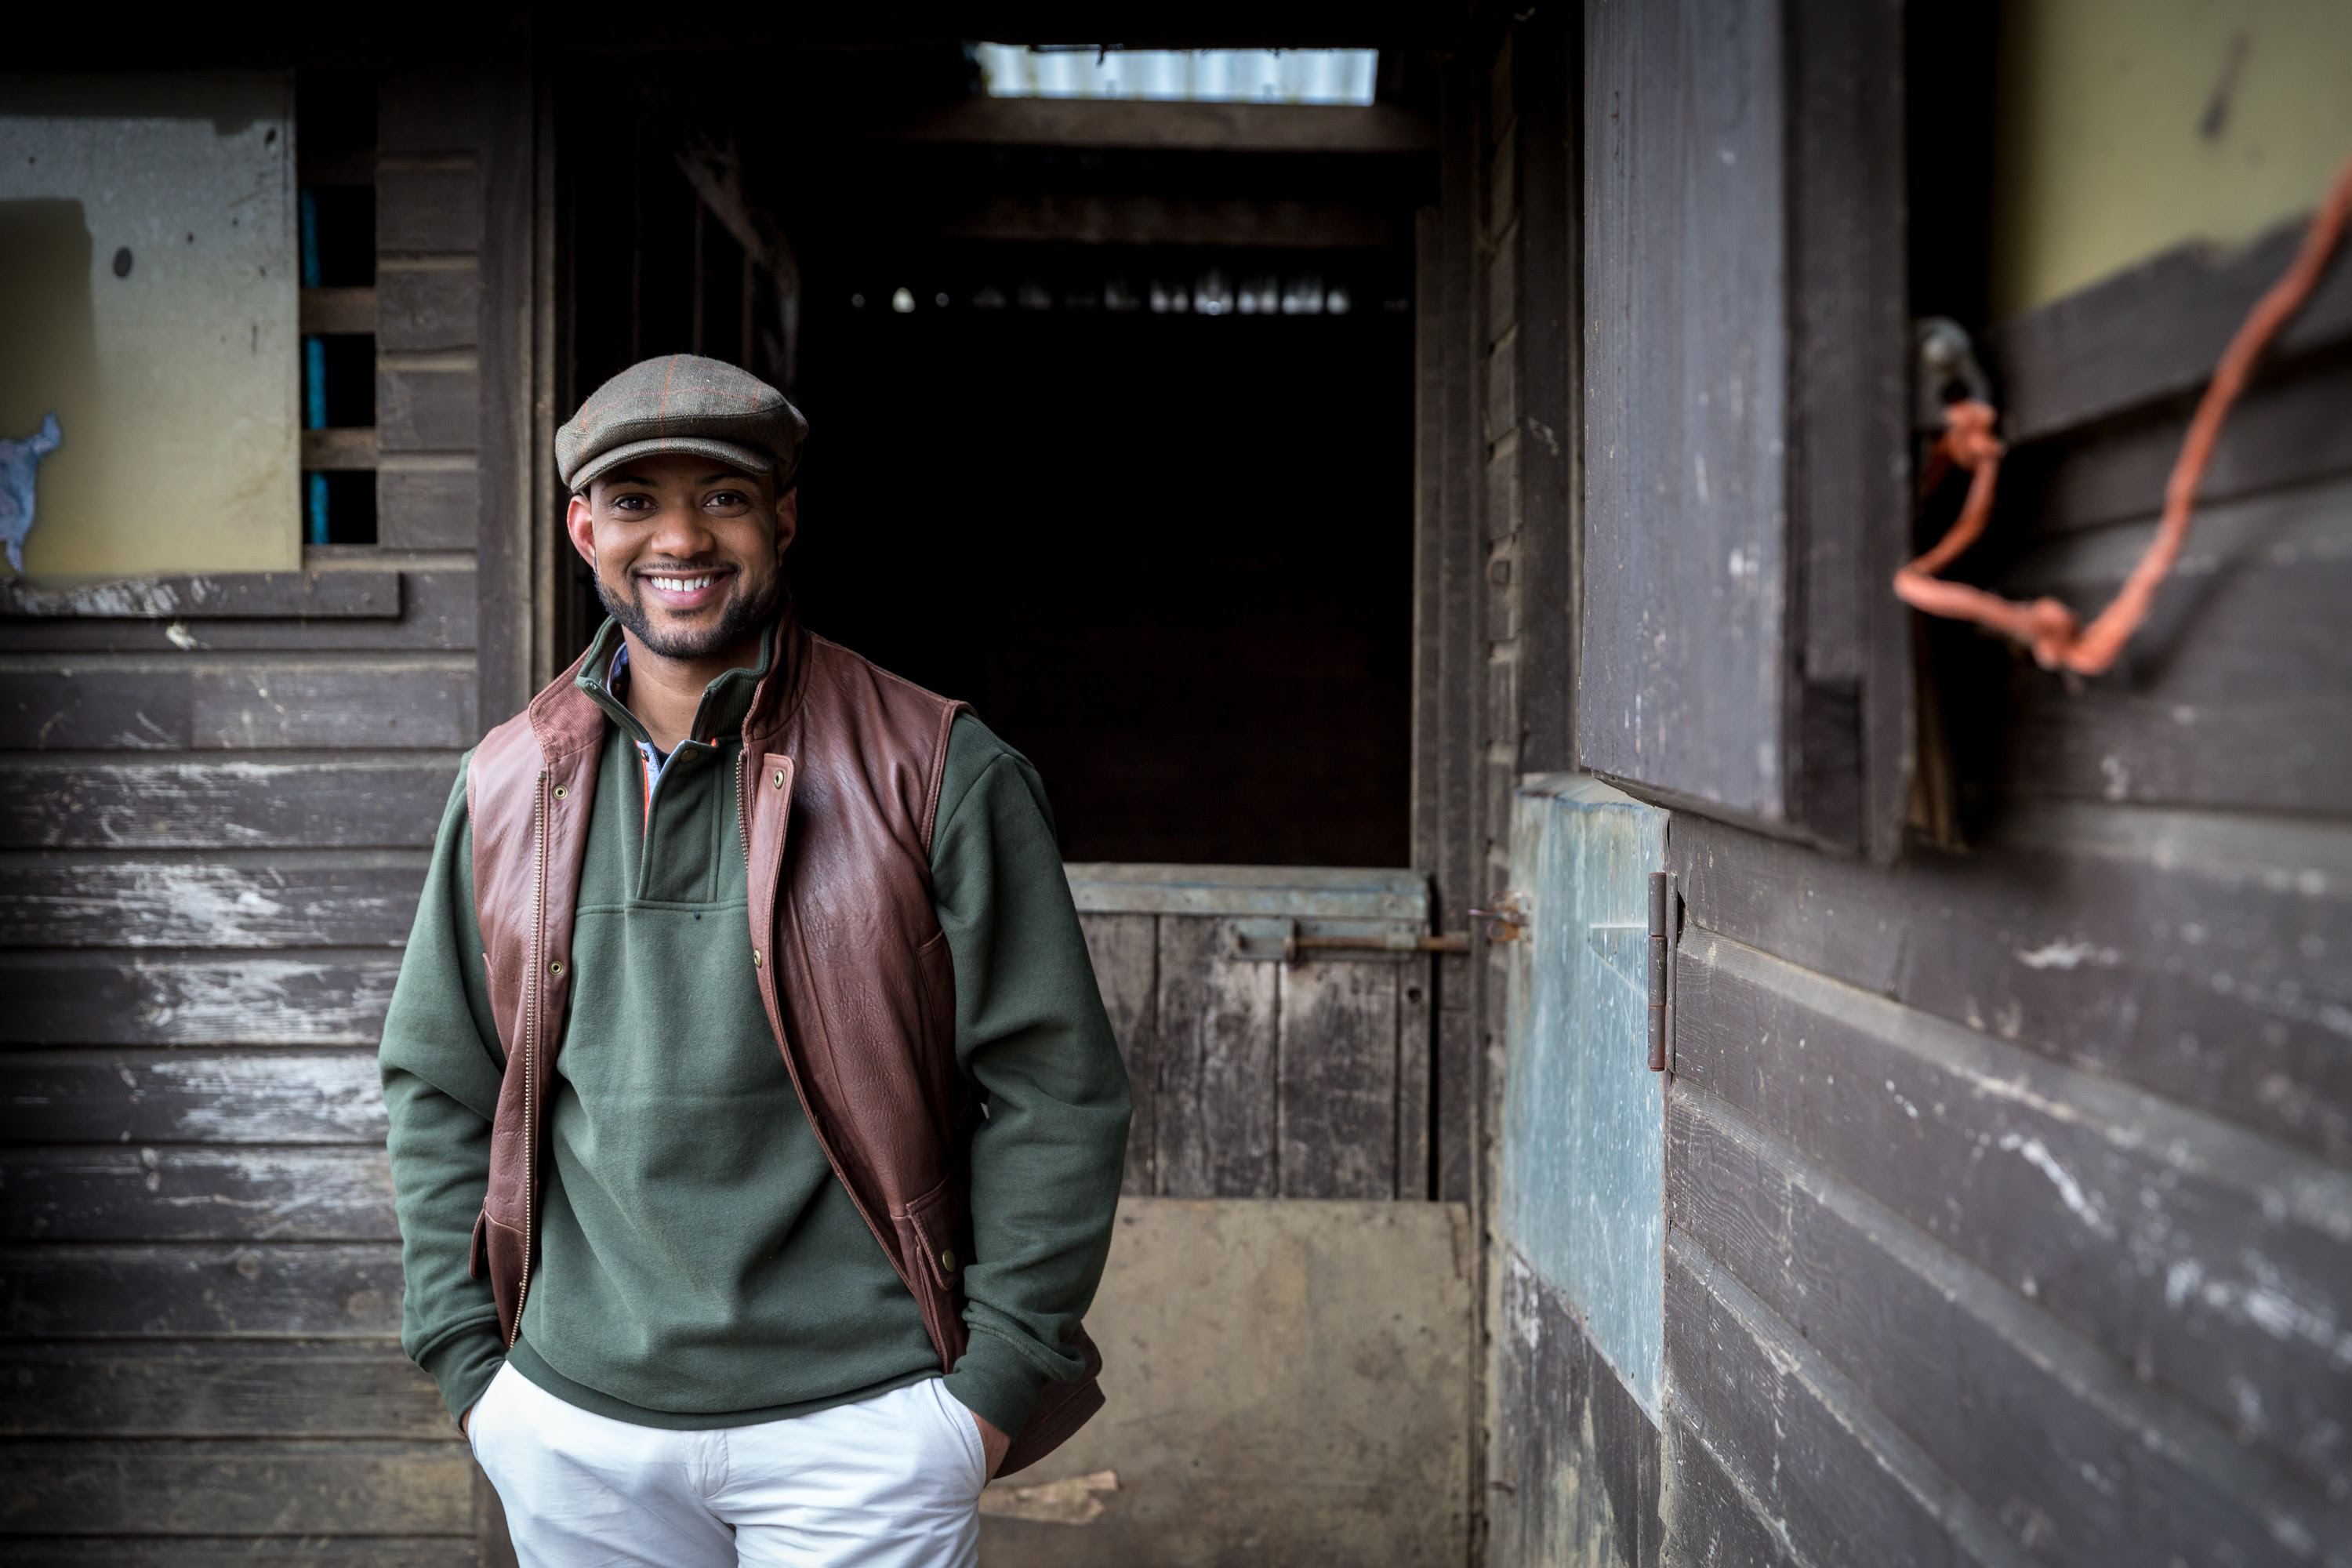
[{"x": 755, "y": 1124}]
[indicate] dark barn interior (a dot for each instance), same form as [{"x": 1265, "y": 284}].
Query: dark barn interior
[{"x": 1063, "y": 464}]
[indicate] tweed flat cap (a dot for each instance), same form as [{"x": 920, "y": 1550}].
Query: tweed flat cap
[{"x": 682, "y": 403}]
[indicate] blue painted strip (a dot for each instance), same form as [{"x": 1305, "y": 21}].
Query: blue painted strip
[
  {"x": 316, "y": 485},
  {"x": 309, "y": 240},
  {"x": 314, "y": 384}
]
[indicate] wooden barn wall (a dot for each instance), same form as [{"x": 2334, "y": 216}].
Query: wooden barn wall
[
  {"x": 215, "y": 832},
  {"x": 2010, "y": 1192}
]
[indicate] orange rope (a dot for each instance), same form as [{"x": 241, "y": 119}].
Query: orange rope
[{"x": 2045, "y": 625}]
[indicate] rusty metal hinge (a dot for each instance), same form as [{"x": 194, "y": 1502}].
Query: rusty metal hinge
[{"x": 1665, "y": 917}]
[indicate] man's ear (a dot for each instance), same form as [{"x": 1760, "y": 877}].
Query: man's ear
[
  {"x": 788, "y": 518},
  {"x": 579, "y": 522}
]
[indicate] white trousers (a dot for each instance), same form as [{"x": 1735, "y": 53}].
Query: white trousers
[{"x": 888, "y": 1482}]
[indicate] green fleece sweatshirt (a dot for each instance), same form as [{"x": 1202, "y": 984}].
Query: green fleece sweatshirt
[{"x": 699, "y": 1264}]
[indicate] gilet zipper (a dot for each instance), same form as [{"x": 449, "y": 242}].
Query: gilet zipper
[{"x": 534, "y": 997}]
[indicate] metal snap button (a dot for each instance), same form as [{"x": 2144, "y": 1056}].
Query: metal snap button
[
  {"x": 555, "y": 967},
  {"x": 559, "y": 792},
  {"x": 947, "y": 1260},
  {"x": 755, "y": 958},
  {"x": 780, "y": 778}
]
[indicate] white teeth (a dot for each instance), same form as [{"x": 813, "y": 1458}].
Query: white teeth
[{"x": 683, "y": 585}]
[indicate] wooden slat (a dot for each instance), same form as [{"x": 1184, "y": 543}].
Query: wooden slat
[
  {"x": 1221, "y": 127},
  {"x": 218, "y": 1389},
  {"x": 291, "y": 898},
  {"x": 1826, "y": 1472},
  {"x": 1125, "y": 949},
  {"x": 1289, "y": 892},
  {"x": 300, "y": 1488},
  {"x": 1175, "y": 220},
  {"x": 427, "y": 306},
  {"x": 2289, "y": 428},
  {"x": 360, "y": 803},
  {"x": 1337, "y": 1077},
  {"x": 1703, "y": 1515},
  {"x": 1416, "y": 1085},
  {"x": 167, "y": 999},
  {"x": 427, "y": 206},
  {"x": 78, "y": 1193},
  {"x": 2195, "y": 956},
  {"x": 1217, "y": 1066},
  {"x": 2231, "y": 695},
  {"x": 1577, "y": 1459},
  {"x": 2107, "y": 1464},
  {"x": 427, "y": 509},
  {"x": 422, "y": 408},
  {"x": 134, "y": 1097},
  {"x": 344, "y": 310},
  {"x": 2091, "y": 354},
  {"x": 267, "y": 1289},
  {"x": 199, "y": 701},
  {"x": 225, "y": 595},
  {"x": 2179, "y": 1245},
  {"x": 340, "y": 448},
  {"x": 434, "y": 609}
]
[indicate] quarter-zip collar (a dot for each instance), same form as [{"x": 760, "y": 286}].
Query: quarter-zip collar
[{"x": 726, "y": 701}]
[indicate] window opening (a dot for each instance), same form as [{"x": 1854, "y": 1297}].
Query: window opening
[
  {"x": 1333, "y": 77},
  {"x": 335, "y": 148}
]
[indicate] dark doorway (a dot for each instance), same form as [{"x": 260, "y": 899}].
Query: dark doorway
[{"x": 1147, "y": 507}]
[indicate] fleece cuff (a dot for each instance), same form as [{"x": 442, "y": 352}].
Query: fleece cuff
[{"x": 463, "y": 1364}]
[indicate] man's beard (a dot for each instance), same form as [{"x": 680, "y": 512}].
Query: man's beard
[{"x": 744, "y": 615}]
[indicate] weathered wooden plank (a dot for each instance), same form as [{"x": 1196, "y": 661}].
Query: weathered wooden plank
[
  {"x": 265, "y": 1289},
  {"x": 2232, "y": 693},
  {"x": 1826, "y": 1473},
  {"x": 427, "y": 206},
  {"x": 1286, "y": 892},
  {"x": 1337, "y": 1079},
  {"x": 435, "y": 611},
  {"x": 198, "y": 701},
  {"x": 96, "y": 998},
  {"x": 347, "y": 449},
  {"x": 292, "y": 898},
  {"x": 2288, "y": 428},
  {"x": 1221, "y": 127},
  {"x": 1562, "y": 1423},
  {"x": 191, "y": 1097},
  {"x": 78, "y": 1193},
  {"x": 2091, "y": 354},
  {"x": 428, "y": 508},
  {"x": 2107, "y": 1464},
  {"x": 2200, "y": 956},
  {"x": 190, "y": 1551},
  {"x": 218, "y": 1389},
  {"x": 422, "y": 307},
  {"x": 291, "y": 1488},
  {"x": 389, "y": 800},
  {"x": 1416, "y": 1082},
  {"x": 1125, "y": 949},
  {"x": 2211, "y": 1261},
  {"x": 337, "y": 310},
  {"x": 1217, "y": 1066},
  {"x": 428, "y": 409},
  {"x": 226, "y": 595},
  {"x": 1703, "y": 1515}
]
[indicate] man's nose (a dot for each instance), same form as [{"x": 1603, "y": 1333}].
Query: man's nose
[{"x": 681, "y": 531}]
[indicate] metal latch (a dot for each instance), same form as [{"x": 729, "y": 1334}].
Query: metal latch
[
  {"x": 1281, "y": 942},
  {"x": 1944, "y": 370}
]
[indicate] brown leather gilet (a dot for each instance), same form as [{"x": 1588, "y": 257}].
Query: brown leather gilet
[{"x": 838, "y": 783}]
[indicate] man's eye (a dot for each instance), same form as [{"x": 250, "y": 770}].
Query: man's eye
[
  {"x": 724, "y": 498},
  {"x": 632, "y": 503}
]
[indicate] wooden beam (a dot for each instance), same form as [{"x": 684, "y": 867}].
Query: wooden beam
[
  {"x": 1159, "y": 220},
  {"x": 222, "y": 595},
  {"x": 1220, "y": 127},
  {"x": 341, "y": 449},
  {"x": 339, "y": 311}
]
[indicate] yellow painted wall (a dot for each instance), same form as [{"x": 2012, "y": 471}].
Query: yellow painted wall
[
  {"x": 2126, "y": 129},
  {"x": 176, "y": 381}
]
